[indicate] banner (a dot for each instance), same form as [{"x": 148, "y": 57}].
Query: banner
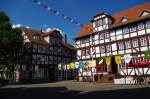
[
  {"x": 81, "y": 64},
  {"x": 72, "y": 65},
  {"x": 86, "y": 65},
  {"x": 127, "y": 58},
  {"x": 108, "y": 60},
  {"x": 64, "y": 67},
  {"x": 68, "y": 66},
  {"x": 76, "y": 65},
  {"x": 118, "y": 59},
  {"x": 93, "y": 63},
  {"x": 59, "y": 66}
]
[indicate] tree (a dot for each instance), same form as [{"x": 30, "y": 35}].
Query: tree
[{"x": 11, "y": 41}]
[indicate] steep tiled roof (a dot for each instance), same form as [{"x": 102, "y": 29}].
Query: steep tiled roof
[
  {"x": 133, "y": 14},
  {"x": 30, "y": 33}
]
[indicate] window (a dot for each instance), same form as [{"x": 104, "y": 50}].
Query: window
[
  {"x": 127, "y": 44},
  {"x": 140, "y": 26},
  {"x": 108, "y": 48},
  {"x": 121, "y": 46},
  {"x": 37, "y": 37},
  {"x": 102, "y": 36},
  {"x": 148, "y": 24},
  {"x": 88, "y": 51},
  {"x": 83, "y": 52},
  {"x": 132, "y": 28},
  {"x": 107, "y": 35},
  {"x": 143, "y": 41},
  {"x": 135, "y": 43},
  {"x": 99, "y": 22},
  {"x": 104, "y": 21},
  {"x": 102, "y": 49},
  {"x": 125, "y": 30}
]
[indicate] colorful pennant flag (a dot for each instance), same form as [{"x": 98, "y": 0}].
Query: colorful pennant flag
[{"x": 57, "y": 13}]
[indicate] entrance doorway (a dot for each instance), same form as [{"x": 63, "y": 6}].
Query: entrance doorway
[{"x": 114, "y": 67}]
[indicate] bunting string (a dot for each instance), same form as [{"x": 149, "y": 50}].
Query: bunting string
[{"x": 57, "y": 13}]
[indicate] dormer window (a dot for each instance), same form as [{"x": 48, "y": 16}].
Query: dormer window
[
  {"x": 101, "y": 21},
  {"x": 37, "y": 37},
  {"x": 144, "y": 12},
  {"x": 123, "y": 19}
]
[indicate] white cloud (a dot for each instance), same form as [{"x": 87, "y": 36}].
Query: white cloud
[
  {"x": 17, "y": 25},
  {"x": 48, "y": 29}
]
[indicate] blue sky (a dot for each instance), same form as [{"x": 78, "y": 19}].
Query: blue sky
[{"x": 27, "y": 13}]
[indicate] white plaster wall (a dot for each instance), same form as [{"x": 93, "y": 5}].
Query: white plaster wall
[
  {"x": 133, "y": 34},
  {"x": 79, "y": 52},
  {"x": 115, "y": 53},
  {"x": 97, "y": 42},
  {"x": 135, "y": 50},
  {"x": 108, "y": 54},
  {"x": 82, "y": 45},
  {"x": 143, "y": 48},
  {"x": 78, "y": 42},
  {"x": 103, "y": 54},
  {"x": 46, "y": 38},
  {"x": 121, "y": 52},
  {"x": 113, "y": 38},
  {"x": 96, "y": 36},
  {"x": 141, "y": 32},
  {"x": 88, "y": 56},
  {"x": 106, "y": 40},
  {"x": 119, "y": 37},
  {"x": 112, "y": 33},
  {"x": 97, "y": 50},
  {"x": 83, "y": 57},
  {"x": 101, "y": 41},
  {"x": 100, "y": 28},
  {"x": 97, "y": 55},
  {"x": 148, "y": 30},
  {"x": 26, "y": 40},
  {"x": 126, "y": 36},
  {"x": 87, "y": 44},
  {"x": 128, "y": 51}
]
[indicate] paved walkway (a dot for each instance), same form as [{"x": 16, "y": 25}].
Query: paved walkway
[{"x": 72, "y": 88}]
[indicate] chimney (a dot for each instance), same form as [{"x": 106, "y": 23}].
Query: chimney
[{"x": 65, "y": 38}]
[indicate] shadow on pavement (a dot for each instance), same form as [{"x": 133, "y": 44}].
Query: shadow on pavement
[{"x": 63, "y": 92}]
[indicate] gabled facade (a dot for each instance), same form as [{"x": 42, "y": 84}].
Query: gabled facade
[
  {"x": 42, "y": 52},
  {"x": 126, "y": 32}
]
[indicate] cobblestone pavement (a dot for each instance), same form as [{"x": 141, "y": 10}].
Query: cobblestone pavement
[
  {"x": 80, "y": 86},
  {"x": 73, "y": 89}
]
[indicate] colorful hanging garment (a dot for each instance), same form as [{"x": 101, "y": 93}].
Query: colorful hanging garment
[
  {"x": 72, "y": 65},
  {"x": 93, "y": 63},
  {"x": 127, "y": 58},
  {"x": 59, "y": 66},
  {"x": 68, "y": 66},
  {"x": 90, "y": 64},
  {"x": 108, "y": 60},
  {"x": 100, "y": 66},
  {"x": 81, "y": 64},
  {"x": 76, "y": 65},
  {"x": 86, "y": 65},
  {"x": 118, "y": 59},
  {"x": 64, "y": 67}
]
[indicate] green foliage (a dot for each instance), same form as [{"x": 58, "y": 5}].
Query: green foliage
[
  {"x": 10, "y": 40},
  {"x": 147, "y": 55}
]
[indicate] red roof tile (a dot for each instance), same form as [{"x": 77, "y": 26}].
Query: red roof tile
[{"x": 133, "y": 14}]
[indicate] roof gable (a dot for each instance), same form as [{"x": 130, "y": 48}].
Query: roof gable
[{"x": 144, "y": 12}]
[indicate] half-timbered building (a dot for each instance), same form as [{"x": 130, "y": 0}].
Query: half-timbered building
[
  {"x": 42, "y": 52},
  {"x": 126, "y": 32}
]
